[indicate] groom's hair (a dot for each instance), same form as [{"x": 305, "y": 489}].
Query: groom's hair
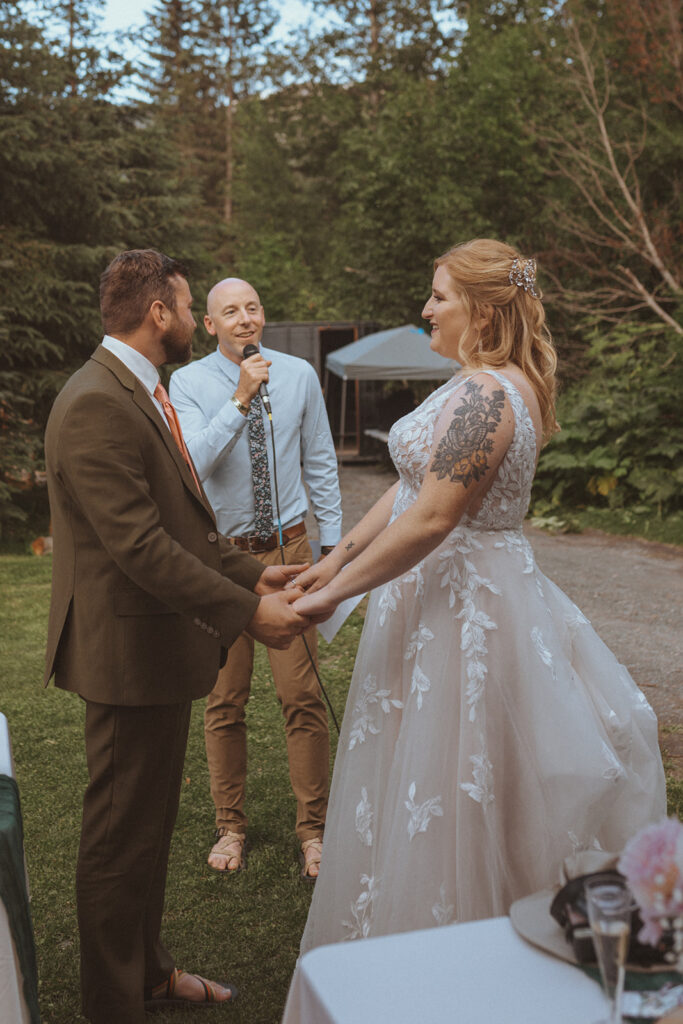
[{"x": 131, "y": 283}]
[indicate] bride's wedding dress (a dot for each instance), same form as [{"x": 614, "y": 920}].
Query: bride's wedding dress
[{"x": 488, "y": 732}]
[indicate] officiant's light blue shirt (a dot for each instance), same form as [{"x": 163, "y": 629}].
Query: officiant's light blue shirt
[{"x": 216, "y": 434}]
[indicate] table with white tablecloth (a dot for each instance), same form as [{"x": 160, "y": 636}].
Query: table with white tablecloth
[
  {"x": 482, "y": 972},
  {"x": 14, "y": 985}
]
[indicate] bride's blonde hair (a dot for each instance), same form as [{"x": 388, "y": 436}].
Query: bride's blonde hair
[{"x": 514, "y": 330}]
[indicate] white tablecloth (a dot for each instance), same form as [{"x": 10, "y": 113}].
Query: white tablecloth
[
  {"x": 13, "y": 1008},
  {"x": 6, "y": 766},
  {"x": 477, "y": 973}
]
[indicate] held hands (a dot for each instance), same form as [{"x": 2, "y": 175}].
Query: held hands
[
  {"x": 276, "y": 577},
  {"x": 276, "y": 622},
  {"x": 317, "y": 576},
  {"x": 253, "y": 373},
  {"x": 316, "y": 606},
  {"x": 318, "y": 603}
]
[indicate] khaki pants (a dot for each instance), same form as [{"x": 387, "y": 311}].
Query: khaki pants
[{"x": 303, "y": 710}]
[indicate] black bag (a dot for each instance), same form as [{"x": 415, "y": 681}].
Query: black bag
[{"x": 570, "y": 911}]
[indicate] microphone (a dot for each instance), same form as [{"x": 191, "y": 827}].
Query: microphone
[{"x": 252, "y": 350}]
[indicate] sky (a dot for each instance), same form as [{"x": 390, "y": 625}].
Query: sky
[
  {"x": 124, "y": 14},
  {"x": 121, "y": 15}
]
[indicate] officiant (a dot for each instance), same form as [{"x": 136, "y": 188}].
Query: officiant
[{"x": 228, "y": 433}]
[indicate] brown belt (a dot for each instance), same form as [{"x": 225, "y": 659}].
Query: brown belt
[{"x": 255, "y": 544}]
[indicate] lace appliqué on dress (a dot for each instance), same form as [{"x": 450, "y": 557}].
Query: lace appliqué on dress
[
  {"x": 421, "y": 814},
  {"x": 542, "y": 651},
  {"x": 370, "y": 700},
  {"x": 442, "y": 912},
  {"x": 419, "y": 684},
  {"x": 392, "y": 592},
  {"x": 473, "y": 635},
  {"x": 364, "y": 816},
  {"x": 514, "y": 541},
  {"x": 614, "y": 769},
  {"x": 481, "y": 789},
  {"x": 417, "y": 641},
  {"x": 361, "y": 911}
]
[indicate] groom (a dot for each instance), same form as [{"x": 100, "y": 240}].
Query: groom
[{"x": 146, "y": 598}]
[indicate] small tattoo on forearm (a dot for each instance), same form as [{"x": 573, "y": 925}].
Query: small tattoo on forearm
[
  {"x": 462, "y": 453},
  {"x": 350, "y": 545}
]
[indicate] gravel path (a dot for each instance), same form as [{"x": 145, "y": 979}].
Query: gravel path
[{"x": 630, "y": 589}]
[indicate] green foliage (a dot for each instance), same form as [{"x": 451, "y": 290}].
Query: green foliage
[
  {"x": 620, "y": 444},
  {"x": 82, "y": 179},
  {"x": 330, "y": 170}
]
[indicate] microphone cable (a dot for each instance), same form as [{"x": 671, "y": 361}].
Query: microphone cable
[{"x": 251, "y": 350}]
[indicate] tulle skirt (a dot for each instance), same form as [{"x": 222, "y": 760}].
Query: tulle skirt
[{"x": 488, "y": 734}]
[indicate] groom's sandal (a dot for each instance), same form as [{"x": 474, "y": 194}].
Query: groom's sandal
[
  {"x": 309, "y": 858},
  {"x": 228, "y": 854},
  {"x": 202, "y": 995}
]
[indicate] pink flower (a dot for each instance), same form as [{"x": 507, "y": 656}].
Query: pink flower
[{"x": 652, "y": 863}]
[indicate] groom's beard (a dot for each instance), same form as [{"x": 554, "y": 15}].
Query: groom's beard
[{"x": 177, "y": 343}]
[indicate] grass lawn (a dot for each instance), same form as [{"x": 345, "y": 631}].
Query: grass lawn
[{"x": 245, "y": 928}]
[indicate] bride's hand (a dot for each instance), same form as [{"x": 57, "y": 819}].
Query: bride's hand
[
  {"x": 317, "y": 606},
  {"x": 317, "y": 577}
]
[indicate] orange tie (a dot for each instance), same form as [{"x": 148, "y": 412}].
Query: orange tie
[{"x": 161, "y": 396}]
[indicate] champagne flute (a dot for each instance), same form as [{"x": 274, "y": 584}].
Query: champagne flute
[{"x": 610, "y": 905}]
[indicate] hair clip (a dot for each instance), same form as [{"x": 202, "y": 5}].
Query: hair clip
[{"x": 523, "y": 274}]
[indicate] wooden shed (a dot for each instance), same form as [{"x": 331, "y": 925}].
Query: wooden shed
[{"x": 313, "y": 340}]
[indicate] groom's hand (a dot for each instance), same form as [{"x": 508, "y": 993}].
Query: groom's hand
[
  {"x": 275, "y": 577},
  {"x": 276, "y": 622}
]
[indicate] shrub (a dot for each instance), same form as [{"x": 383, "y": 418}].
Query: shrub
[{"x": 621, "y": 444}]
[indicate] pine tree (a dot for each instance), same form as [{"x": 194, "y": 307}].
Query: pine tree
[
  {"x": 82, "y": 178},
  {"x": 206, "y": 57}
]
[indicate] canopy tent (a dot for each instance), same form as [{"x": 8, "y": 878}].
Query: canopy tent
[{"x": 401, "y": 353}]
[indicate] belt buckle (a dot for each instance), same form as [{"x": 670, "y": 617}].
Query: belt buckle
[{"x": 253, "y": 540}]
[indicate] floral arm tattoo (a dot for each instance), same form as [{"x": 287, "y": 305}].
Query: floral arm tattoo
[
  {"x": 350, "y": 545},
  {"x": 462, "y": 452}
]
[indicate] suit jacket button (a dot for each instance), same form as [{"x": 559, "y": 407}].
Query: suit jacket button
[
  {"x": 197, "y": 622},
  {"x": 212, "y": 537}
]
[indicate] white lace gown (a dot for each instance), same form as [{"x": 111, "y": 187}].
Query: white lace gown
[{"x": 488, "y": 732}]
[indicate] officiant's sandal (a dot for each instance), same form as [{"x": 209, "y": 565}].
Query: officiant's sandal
[
  {"x": 228, "y": 854},
  {"x": 309, "y": 858},
  {"x": 167, "y": 994}
]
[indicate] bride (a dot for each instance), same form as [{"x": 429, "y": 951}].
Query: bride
[{"x": 488, "y": 731}]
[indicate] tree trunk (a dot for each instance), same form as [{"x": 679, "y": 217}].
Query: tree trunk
[{"x": 229, "y": 120}]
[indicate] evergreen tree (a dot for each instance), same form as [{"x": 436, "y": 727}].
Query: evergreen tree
[
  {"x": 206, "y": 57},
  {"x": 82, "y": 178}
]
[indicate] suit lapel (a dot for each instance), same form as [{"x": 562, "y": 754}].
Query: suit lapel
[{"x": 142, "y": 399}]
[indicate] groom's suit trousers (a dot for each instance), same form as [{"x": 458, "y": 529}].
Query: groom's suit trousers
[{"x": 135, "y": 764}]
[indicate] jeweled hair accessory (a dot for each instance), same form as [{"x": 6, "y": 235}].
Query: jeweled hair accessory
[{"x": 523, "y": 274}]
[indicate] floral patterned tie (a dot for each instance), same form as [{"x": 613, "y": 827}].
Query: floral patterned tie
[{"x": 263, "y": 505}]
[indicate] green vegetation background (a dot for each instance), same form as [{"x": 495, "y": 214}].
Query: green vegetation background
[{"x": 330, "y": 168}]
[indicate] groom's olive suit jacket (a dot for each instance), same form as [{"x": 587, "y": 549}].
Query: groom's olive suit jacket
[{"x": 147, "y": 595}]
